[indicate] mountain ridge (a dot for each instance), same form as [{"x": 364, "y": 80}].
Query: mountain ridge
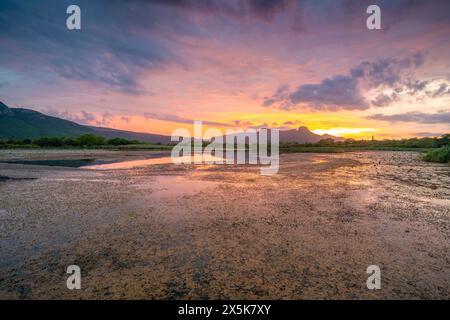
[
  {"x": 304, "y": 135},
  {"x": 20, "y": 123}
]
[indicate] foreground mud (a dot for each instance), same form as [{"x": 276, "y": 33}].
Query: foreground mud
[{"x": 188, "y": 232}]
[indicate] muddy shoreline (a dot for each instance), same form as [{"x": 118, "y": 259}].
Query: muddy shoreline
[{"x": 208, "y": 232}]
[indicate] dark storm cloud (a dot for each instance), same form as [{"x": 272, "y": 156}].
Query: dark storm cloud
[{"x": 418, "y": 117}]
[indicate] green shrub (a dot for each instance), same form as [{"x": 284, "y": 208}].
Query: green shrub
[
  {"x": 49, "y": 142},
  {"x": 441, "y": 155},
  {"x": 90, "y": 140},
  {"x": 121, "y": 142},
  {"x": 444, "y": 140}
]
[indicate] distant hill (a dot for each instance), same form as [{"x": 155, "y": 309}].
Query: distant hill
[
  {"x": 18, "y": 123},
  {"x": 130, "y": 135},
  {"x": 304, "y": 135},
  {"x": 301, "y": 135}
]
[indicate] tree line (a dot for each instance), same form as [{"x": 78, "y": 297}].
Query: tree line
[
  {"x": 401, "y": 143},
  {"x": 88, "y": 140},
  {"x": 85, "y": 140}
]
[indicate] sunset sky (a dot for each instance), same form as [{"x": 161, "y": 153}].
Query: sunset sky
[{"x": 154, "y": 66}]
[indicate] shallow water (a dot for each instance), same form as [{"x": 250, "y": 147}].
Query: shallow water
[
  {"x": 71, "y": 163},
  {"x": 146, "y": 162}
]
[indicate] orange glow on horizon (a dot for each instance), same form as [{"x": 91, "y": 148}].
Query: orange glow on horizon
[{"x": 333, "y": 124}]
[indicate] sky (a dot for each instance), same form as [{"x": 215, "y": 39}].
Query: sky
[{"x": 155, "y": 66}]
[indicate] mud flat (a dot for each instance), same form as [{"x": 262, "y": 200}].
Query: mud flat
[{"x": 188, "y": 232}]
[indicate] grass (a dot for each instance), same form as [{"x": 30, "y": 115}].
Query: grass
[{"x": 441, "y": 155}]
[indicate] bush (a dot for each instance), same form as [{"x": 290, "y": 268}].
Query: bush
[
  {"x": 441, "y": 155},
  {"x": 90, "y": 140},
  {"x": 87, "y": 140},
  {"x": 121, "y": 142},
  {"x": 444, "y": 140},
  {"x": 49, "y": 142}
]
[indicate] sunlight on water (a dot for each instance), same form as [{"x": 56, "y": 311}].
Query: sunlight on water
[{"x": 146, "y": 162}]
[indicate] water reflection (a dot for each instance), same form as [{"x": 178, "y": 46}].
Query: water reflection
[
  {"x": 71, "y": 163},
  {"x": 147, "y": 162}
]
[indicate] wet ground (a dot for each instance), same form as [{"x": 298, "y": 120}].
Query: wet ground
[{"x": 224, "y": 231}]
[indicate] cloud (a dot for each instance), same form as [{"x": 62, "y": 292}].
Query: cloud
[
  {"x": 282, "y": 93},
  {"x": 411, "y": 87},
  {"x": 234, "y": 124},
  {"x": 339, "y": 92},
  {"x": 265, "y": 9},
  {"x": 443, "y": 89},
  {"x": 268, "y": 8},
  {"x": 336, "y": 93},
  {"x": 125, "y": 119},
  {"x": 109, "y": 50},
  {"x": 416, "y": 86},
  {"x": 383, "y": 100},
  {"x": 118, "y": 40},
  {"x": 385, "y": 72},
  {"x": 244, "y": 123},
  {"x": 292, "y": 123},
  {"x": 345, "y": 92},
  {"x": 85, "y": 116},
  {"x": 105, "y": 119},
  {"x": 175, "y": 118},
  {"x": 192, "y": 47},
  {"x": 82, "y": 117},
  {"x": 417, "y": 117}
]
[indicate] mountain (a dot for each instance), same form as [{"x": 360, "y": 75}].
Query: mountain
[
  {"x": 304, "y": 135},
  {"x": 18, "y": 123},
  {"x": 300, "y": 135},
  {"x": 130, "y": 135}
]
